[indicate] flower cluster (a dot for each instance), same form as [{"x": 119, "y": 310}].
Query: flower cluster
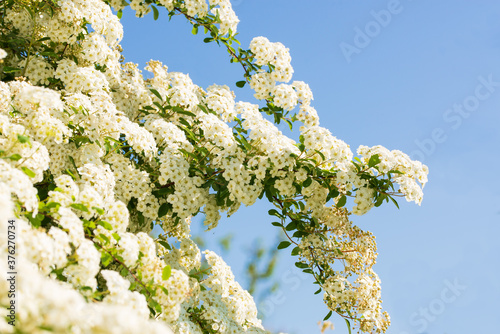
[
  {"x": 274, "y": 54},
  {"x": 93, "y": 156}
]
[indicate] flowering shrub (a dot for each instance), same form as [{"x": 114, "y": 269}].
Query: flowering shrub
[{"x": 93, "y": 156}]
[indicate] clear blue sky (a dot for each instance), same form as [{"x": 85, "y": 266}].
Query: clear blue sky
[{"x": 427, "y": 82}]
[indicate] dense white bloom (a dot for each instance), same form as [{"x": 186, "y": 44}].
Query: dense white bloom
[
  {"x": 165, "y": 133},
  {"x": 262, "y": 83},
  {"x": 285, "y": 96},
  {"x": 336, "y": 152},
  {"x": 228, "y": 18},
  {"x": 83, "y": 273},
  {"x": 70, "y": 222},
  {"x": 39, "y": 71},
  {"x": 275, "y": 54},
  {"x": 129, "y": 244},
  {"x": 94, "y": 159},
  {"x": 31, "y": 98},
  {"x": 227, "y": 297},
  {"x": 18, "y": 183},
  {"x": 411, "y": 171},
  {"x": 304, "y": 93},
  {"x": 277, "y": 146},
  {"x": 120, "y": 294},
  {"x": 48, "y": 307},
  {"x": 309, "y": 116},
  {"x": 182, "y": 92},
  {"x": 217, "y": 132},
  {"x": 221, "y": 100}
]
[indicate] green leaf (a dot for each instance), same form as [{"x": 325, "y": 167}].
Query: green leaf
[
  {"x": 79, "y": 206},
  {"x": 163, "y": 210},
  {"x": 164, "y": 289},
  {"x": 8, "y": 69},
  {"x": 70, "y": 173},
  {"x": 106, "y": 259},
  {"x": 292, "y": 226},
  {"x": 89, "y": 224},
  {"x": 333, "y": 193},
  {"x": 35, "y": 221},
  {"x": 374, "y": 160},
  {"x": 28, "y": 171},
  {"x": 74, "y": 165},
  {"x": 203, "y": 108},
  {"x": 394, "y": 201},
  {"x": 296, "y": 251},
  {"x": 160, "y": 107},
  {"x": 23, "y": 139},
  {"x": 98, "y": 210},
  {"x": 348, "y": 325},
  {"x": 241, "y": 83},
  {"x": 182, "y": 111},
  {"x": 380, "y": 200},
  {"x": 341, "y": 201},
  {"x": 80, "y": 140},
  {"x": 154, "y": 306},
  {"x": 156, "y": 14},
  {"x": 49, "y": 54},
  {"x": 119, "y": 14},
  {"x": 245, "y": 143},
  {"x": 307, "y": 182},
  {"x": 15, "y": 157},
  {"x": 51, "y": 205},
  {"x": 141, "y": 218},
  {"x": 164, "y": 244},
  {"x": 154, "y": 91},
  {"x": 167, "y": 271},
  {"x": 284, "y": 244},
  {"x": 195, "y": 30},
  {"x": 274, "y": 212},
  {"x": 320, "y": 154},
  {"x": 276, "y": 224},
  {"x": 105, "y": 224},
  {"x": 105, "y": 238},
  {"x": 329, "y": 313},
  {"x": 301, "y": 265},
  {"x": 29, "y": 11}
]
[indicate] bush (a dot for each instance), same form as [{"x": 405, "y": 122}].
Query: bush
[{"x": 93, "y": 156}]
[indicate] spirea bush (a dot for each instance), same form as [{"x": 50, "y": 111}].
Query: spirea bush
[{"x": 93, "y": 156}]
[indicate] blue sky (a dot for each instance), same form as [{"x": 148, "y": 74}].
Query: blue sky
[{"x": 425, "y": 81}]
